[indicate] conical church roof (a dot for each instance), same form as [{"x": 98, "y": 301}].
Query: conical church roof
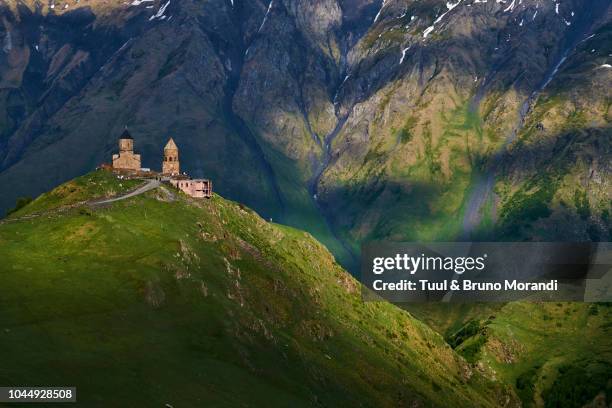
[
  {"x": 126, "y": 134},
  {"x": 171, "y": 145}
]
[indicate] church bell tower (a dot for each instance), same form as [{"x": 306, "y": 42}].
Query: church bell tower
[{"x": 171, "y": 164}]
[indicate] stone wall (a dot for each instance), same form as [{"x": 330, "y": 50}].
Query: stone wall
[{"x": 126, "y": 161}]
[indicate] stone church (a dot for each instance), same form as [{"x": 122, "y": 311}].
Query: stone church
[
  {"x": 126, "y": 159},
  {"x": 171, "y": 168}
]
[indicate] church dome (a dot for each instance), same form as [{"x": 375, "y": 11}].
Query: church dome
[{"x": 126, "y": 134}]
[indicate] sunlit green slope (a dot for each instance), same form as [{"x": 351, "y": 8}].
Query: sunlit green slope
[
  {"x": 553, "y": 354},
  {"x": 161, "y": 299}
]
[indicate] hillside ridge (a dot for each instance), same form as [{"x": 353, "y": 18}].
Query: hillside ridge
[{"x": 225, "y": 295}]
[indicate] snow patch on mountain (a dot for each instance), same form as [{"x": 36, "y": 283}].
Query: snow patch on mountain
[
  {"x": 404, "y": 54},
  {"x": 379, "y": 11},
  {"x": 160, "y": 13},
  {"x": 450, "y": 6},
  {"x": 266, "y": 16}
]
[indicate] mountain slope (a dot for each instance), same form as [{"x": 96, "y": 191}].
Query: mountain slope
[
  {"x": 162, "y": 299},
  {"x": 556, "y": 181},
  {"x": 435, "y": 96},
  {"x": 555, "y": 354},
  {"x": 75, "y": 77},
  {"x": 354, "y": 119}
]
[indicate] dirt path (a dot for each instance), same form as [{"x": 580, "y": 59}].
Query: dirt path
[{"x": 150, "y": 185}]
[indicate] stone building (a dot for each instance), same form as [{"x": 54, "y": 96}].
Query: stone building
[
  {"x": 171, "y": 165},
  {"x": 126, "y": 159},
  {"x": 197, "y": 188},
  {"x": 171, "y": 170}
]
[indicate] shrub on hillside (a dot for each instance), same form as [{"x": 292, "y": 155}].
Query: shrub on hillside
[{"x": 21, "y": 202}]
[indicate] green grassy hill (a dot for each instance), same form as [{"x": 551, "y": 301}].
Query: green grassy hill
[
  {"x": 161, "y": 299},
  {"x": 554, "y": 354}
]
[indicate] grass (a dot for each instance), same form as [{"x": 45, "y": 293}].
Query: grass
[
  {"x": 461, "y": 127},
  {"x": 423, "y": 200},
  {"x": 552, "y": 354},
  {"x": 486, "y": 228},
  {"x": 95, "y": 185},
  {"x": 148, "y": 302},
  {"x": 578, "y": 384},
  {"x": 529, "y": 203},
  {"x": 405, "y": 133},
  {"x": 21, "y": 202},
  {"x": 302, "y": 211},
  {"x": 530, "y": 344}
]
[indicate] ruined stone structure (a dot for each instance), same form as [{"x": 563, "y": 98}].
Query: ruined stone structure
[
  {"x": 197, "y": 188},
  {"x": 171, "y": 164},
  {"x": 126, "y": 159}
]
